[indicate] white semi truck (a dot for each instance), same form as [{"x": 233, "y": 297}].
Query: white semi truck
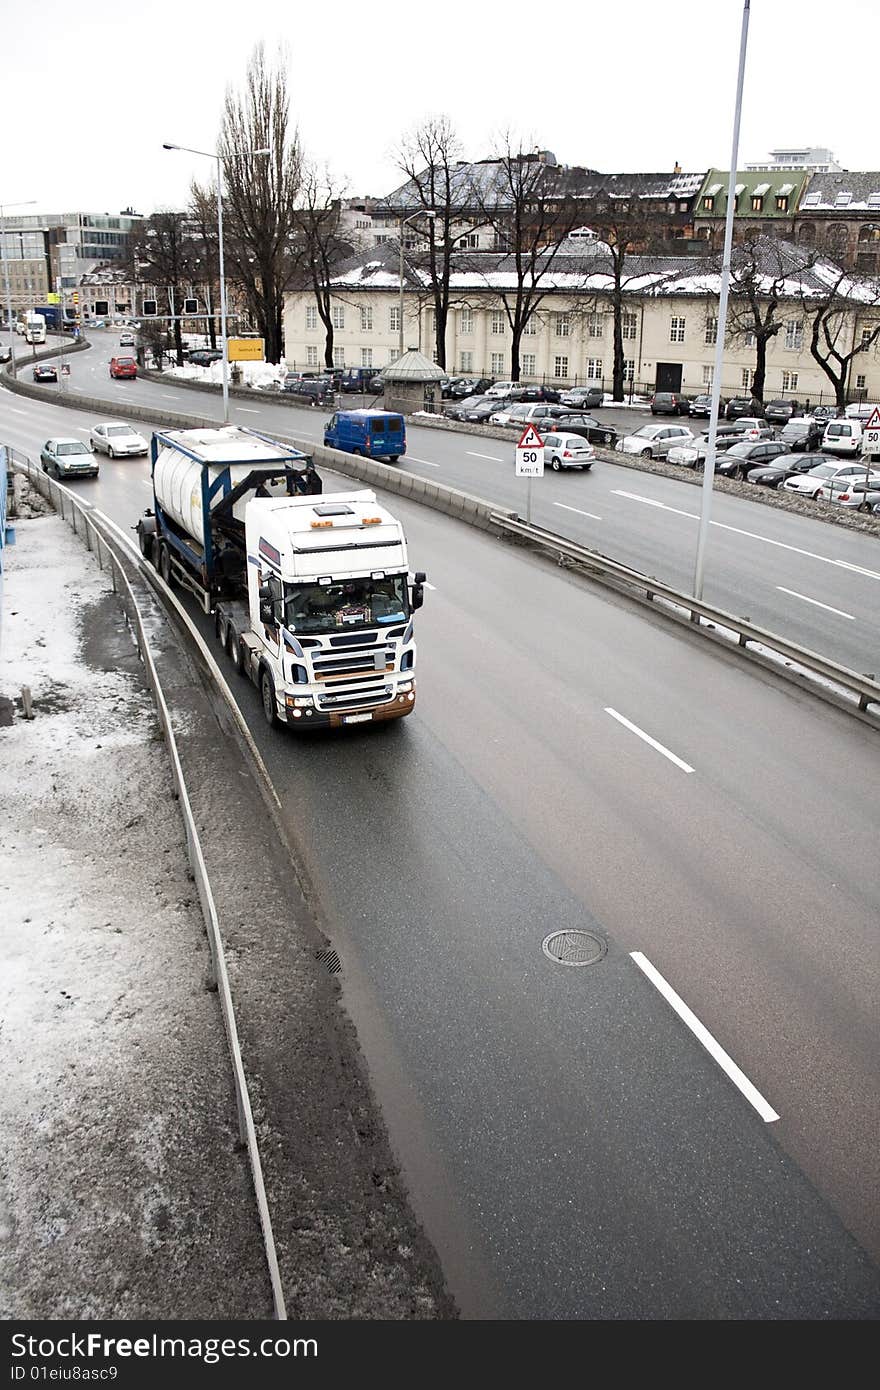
[
  {"x": 34, "y": 327},
  {"x": 311, "y": 593}
]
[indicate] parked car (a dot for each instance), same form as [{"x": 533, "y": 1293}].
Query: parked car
[
  {"x": 779, "y": 412},
  {"x": 586, "y": 426},
  {"x": 513, "y": 413},
  {"x": 534, "y": 393},
  {"x": 583, "y": 397},
  {"x": 356, "y": 379},
  {"x": 739, "y": 459},
  {"x": 377, "y": 434},
  {"x": 68, "y": 458},
  {"x": 858, "y": 492},
  {"x": 117, "y": 440},
  {"x": 458, "y": 409},
  {"x": 376, "y": 385},
  {"x": 122, "y": 368},
  {"x": 654, "y": 441},
  {"x": 5, "y": 354},
  {"x": 203, "y": 357},
  {"x": 464, "y": 386},
  {"x": 567, "y": 451},
  {"x": 786, "y": 466},
  {"x": 317, "y": 390},
  {"x": 842, "y": 437},
  {"x": 809, "y": 484},
  {"x": 861, "y": 410},
  {"x": 500, "y": 389},
  {"x": 670, "y": 403},
  {"x": 44, "y": 371},
  {"x": 479, "y": 414},
  {"x": 546, "y": 416},
  {"x": 743, "y": 405},
  {"x": 824, "y": 413},
  {"x": 126, "y": 340},
  {"x": 747, "y": 428},
  {"x": 702, "y": 406},
  {"x": 803, "y": 432}
]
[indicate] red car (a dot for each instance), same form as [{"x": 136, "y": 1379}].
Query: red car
[{"x": 123, "y": 367}]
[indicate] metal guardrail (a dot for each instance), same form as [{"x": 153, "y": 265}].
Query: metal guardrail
[
  {"x": 84, "y": 526},
  {"x": 864, "y": 688}
]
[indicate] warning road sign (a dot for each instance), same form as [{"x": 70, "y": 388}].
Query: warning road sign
[{"x": 530, "y": 439}]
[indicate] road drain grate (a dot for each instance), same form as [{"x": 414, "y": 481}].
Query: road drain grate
[
  {"x": 573, "y": 948},
  {"x": 330, "y": 958}
]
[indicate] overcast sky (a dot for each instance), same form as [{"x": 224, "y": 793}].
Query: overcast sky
[{"x": 87, "y": 105}]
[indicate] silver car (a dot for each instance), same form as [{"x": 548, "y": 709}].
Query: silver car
[
  {"x": 567, "y": 451},
  {"x": 117, "y": 440},
  {"x": 654, "y": 441}
]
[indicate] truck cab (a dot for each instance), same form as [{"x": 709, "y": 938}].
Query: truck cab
[{"x": 376, "y": 434}]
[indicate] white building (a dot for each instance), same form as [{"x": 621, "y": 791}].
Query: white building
[{"x": 817, "y": 160}]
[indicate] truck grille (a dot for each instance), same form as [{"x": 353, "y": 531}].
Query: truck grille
[
  {"x": 361, "y": 660},
  {"x": 366, "y": 693}
]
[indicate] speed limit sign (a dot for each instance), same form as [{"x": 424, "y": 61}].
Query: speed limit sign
[{"x": 530, "y": 454}]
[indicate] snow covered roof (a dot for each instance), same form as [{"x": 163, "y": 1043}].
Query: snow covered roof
[
  {"x": 760, "y": 189},
  {"x": 856, "y": 192},
  {"x": 412, "y": 366}
]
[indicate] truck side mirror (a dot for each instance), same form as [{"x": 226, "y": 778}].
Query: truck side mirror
[
  {"x": 267, "y": 614},
  {"x": 264, "y": 594},
  {"x": 417, "y": 597},
  {"x": 420, "y": 576}
]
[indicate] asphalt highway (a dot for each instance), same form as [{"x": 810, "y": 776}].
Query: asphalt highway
[{"x": 574, "y": 764}]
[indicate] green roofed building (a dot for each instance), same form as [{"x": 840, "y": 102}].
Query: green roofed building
[{"x": 766, "y": 201}]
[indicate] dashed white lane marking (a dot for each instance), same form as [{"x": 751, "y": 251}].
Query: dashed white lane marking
[
  {"x": 432, "y": 587},
  {"x": 827, "y": 606},
  {"x": 426, "y": 462},
  {"x": 752, "y": 535},
  {"x": 12, "y": 410},
  {"x": 578, "y": 510},
  {"x": 640, "y": 733},
  {"x": 715, "y": 1050},
  {"x": 494, "y": 457},
  {"x": 167, "y": 396},
  {"x": 247, "y": 410}
]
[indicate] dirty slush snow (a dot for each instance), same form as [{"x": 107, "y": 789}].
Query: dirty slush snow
[{"x": 123, "y": 1190}]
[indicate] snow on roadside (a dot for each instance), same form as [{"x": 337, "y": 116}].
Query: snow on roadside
[{"x": 121, "y": 1191}]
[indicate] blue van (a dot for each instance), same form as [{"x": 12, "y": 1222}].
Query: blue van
[{"x": 375, "y": 434}]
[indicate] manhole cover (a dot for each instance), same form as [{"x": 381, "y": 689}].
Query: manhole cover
[{"x": 573, "y": 948}]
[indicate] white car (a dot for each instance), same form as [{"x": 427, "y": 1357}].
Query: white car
[
  {"x": 567, "y": 451},
  {"x": 861, "y": 410},
  {"x": 857, "y": 491},
  {"x": 126, "y": 340},
  {"x": 512, "y": 414},
  {"x": 842, "y": 437},
  {"x": 117, "y": 440},
  {"x": 810, "y": 484},
  {"x": 654, "y": 441},
  {"x": 501, "y": 389}
]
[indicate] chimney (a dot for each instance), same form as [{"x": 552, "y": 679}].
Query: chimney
[{"x": 677, "y": 169}]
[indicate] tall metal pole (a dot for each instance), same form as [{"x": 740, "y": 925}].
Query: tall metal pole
[
  {"x": 709, "y": 467},
  {"x": 223, "y": 337},
  {"x": 29, "y": 202},
  {"x": 400, "y": 308}
]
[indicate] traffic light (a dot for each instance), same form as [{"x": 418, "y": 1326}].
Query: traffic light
[
  {"x": 190, "y": 306},
  {"x": 150, "y": 307}
]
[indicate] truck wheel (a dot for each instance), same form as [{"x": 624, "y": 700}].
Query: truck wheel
[
  {"x": 392, "y": 458},
  {"x": 233, "y": 650},
  {"x": 218, "y": 627},
  {"x": 358, "y": 453},
  {"x": 146, "y": 544},
  {"x": 267, "y": 690},
  {"x": 165, "y": 564},
  {"x": 154, "y": 551}
]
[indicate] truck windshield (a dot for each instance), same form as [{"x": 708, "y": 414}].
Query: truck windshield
[{"x": 346, "y": 604}]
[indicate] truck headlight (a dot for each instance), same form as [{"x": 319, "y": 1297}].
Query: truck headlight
[{"x": 404, "y": 686}]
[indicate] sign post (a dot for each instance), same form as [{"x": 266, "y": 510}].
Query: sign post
[{"x": 529, "y": 462}]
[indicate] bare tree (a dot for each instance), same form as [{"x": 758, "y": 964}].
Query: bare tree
[
  {"x": 833, "y": 317},
  {"x": 161, "y": 252},
  {"x": 429, "y": 157},
  {"x": 261, "y": 191},
  {"x": 761, "y": 270},
  {"x": 203, "y": 217},
  {"x": 321, "y": 244},
  {"x": 519, "y": 197}
]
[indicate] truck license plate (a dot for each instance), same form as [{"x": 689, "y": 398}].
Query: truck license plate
[{"x": 356, "y": 718}]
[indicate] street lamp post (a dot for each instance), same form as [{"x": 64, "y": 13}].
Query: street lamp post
[
  {"x": 223, "y": 334},
  {"x": 27, "y": 204},
  {"x": 422, "y": 212}
]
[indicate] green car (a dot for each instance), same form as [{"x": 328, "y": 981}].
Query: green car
[{"x": 68, "y": 458}]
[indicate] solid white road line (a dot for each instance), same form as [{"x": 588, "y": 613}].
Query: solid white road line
[
  {"x": 578, "y": 510},
  {"x": 827, "y": 606},
  {"x": 715, "y": 1050},
  {"x": 408, "y": 458},
  {"x": 640, "y": 733},
  {"x": 752, "y": 535},
  {"x": 12, "y": 410},
  {"x": 494, "y": 457}
]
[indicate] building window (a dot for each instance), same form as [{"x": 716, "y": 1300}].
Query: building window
[
  {"x": 867, "y": 334},
  {"x": 594, "y": 325},
  {"x": 594, "y": 369},
  {"x": 367, "y": 321},
  {"x": 708, "y": 204},
  {"x": 782, "y": 203},
  {"x": 861, "y": 382},
  {"x": 676, "y": 330},
  {"x": 794, "y": 335},
  {"x": 337, "y": 314},
  {"x": 394, "y": 319},
  {"x": 629, "y": 369},
  {"x": 432, "y": 323},
  {"x": 529, "y": 363},
  {"x": 560, "y": 367},
  {"x": 707, "y": 376},
  {"x": 497, "y": 321},
  {"x": 757, "y": 204},
  {"x": 789, "y": 381},
  {"x": 497, "y": 366},
  {"x": 466, "y": 362},
  {"x": 339, "y": 357},
  {"x": 366, "y": 357},
  {"x": 750, "y": 338},
  {"x": 311, "y": 356},
  {"x": 470, "y": 242},
  {"x": 627, "y": 325},
  {"x": 562, "y": 325},
  {"x": 531, "y": 328},
  {"x": 465, "y": 320},
  {"x": 311, "y": 317},
  {"x": 747, "y": 377},
  {"x": 711, "y": 331}
]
